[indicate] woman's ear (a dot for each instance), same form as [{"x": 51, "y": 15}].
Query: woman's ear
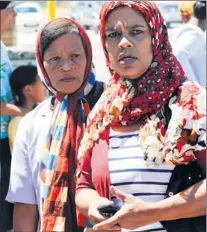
[{"x": 27, "y": 90}]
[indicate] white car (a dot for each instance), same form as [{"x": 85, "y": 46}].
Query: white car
[
  {"x": 29, "y": 16},
  {"x": 170, "y": 12},
  {"x": 86, "y": 13}
]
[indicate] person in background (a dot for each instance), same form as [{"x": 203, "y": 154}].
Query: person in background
[
  {"x": 28, "y": 91},
  {"x": 7, "y": 109},
  {"x": 149, "y": 123},
  {"x": 186, "y": 10},
  {"x": 199, "y": 13},
  {"x": 189, "y": 44}
]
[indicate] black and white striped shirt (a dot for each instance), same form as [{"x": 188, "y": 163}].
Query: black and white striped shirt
[{"x": 129, "y": 172}]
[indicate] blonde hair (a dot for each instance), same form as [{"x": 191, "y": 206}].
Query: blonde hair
[{"x": 186, "y": 8}]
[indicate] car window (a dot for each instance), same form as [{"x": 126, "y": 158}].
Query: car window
[
  {"x": 21, "y": 10},
  {"x": 171, "y": 8}
]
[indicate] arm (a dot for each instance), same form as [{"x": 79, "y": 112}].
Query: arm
[
  {"x": 21, "y": 189},
  {"x": 190, "y": 49},
  {"x": 10, "y": 110},
  {"x": 85, "y": 192},
  {"x": 84, "y": 199},
  {"x": 25, "y": 218},
  {"x": 87, "y": 198},
  {"x": 137, "y": 213},
  {"x": 187, "y": 204},
  {"x": 183, "y": 58}
]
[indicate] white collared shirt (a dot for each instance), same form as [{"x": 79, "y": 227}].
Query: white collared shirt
[{"x": 28, "y": 147}]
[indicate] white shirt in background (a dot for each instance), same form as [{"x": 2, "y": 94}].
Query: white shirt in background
[{"x": 189, "y": 46}]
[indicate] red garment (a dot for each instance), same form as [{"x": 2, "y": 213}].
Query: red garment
[{"x": 95, "y": 171}]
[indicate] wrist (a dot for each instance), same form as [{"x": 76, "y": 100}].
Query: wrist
[
  {"x": 155, "y": 213},
  {"x": 151, "y": 212},
  {"x": 163, "y": 210}
]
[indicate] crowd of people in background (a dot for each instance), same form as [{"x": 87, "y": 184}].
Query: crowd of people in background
[{"x": 69, "y": 142}]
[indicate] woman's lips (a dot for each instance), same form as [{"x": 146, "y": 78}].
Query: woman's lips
[
  {"x": 123, "y": 60},
  {"x": 68, "y": 79}
]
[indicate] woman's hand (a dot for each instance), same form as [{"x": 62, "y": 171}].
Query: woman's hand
[
  {"x": 95, "y": 217},
  {"x": 134, "y": 213}
]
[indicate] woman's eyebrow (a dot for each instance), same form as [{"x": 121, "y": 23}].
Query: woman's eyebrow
[
  {"x": 58, "y": 53},
  {"x": 136, "y": 26},
  {"x": 129, "y": 27}
]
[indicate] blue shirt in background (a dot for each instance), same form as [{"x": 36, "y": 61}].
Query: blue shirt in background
[{"x": 6, "y": 93}]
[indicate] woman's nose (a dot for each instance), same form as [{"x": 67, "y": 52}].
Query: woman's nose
[
  {"x": 125, "y": 43},
  {"x": 67, "y": 65}
]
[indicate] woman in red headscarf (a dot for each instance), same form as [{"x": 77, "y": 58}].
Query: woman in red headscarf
[
  {"x": 146, "y": 132},
  {"x": 45, "y": 152}
]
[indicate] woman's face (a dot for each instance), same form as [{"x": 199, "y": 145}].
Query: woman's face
[
  {"x": 128, "y": 42},
  {"x": 65, "y": 63}
]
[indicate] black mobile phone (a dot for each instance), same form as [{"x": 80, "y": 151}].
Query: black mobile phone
[{"x": 108, "y": 210}]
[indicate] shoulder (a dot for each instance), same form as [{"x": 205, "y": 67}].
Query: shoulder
[
  {"x": 4, "y": 53},
  {"x": 14, "y": 122},
  {"x": 189, "y": 102},
  {"x": 98, "y": 88},
  {"x": 13, "y": 125},
  {"x": 41, "y": 109},
  {"x": 3, "y": 47},
  {"x": 95, "y": 93},
  {"x": 187, "y": 37},
  {"x": 190, "y": 89},
  {"x": 34, "y": 117},
  {"x": 185, "y": 29}
]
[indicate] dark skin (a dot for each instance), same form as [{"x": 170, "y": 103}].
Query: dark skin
[
  {"x": 65, "y": 62},
  {"x": 128, "y": 36}
]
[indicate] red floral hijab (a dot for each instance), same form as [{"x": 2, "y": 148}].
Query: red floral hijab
[{"x": 126, "y": 101}]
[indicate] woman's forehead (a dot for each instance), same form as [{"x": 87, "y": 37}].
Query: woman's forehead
[
  {"x": 126, "y": 15},
  {"x": 69, "y": 42}
]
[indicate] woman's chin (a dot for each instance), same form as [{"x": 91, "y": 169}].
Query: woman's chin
[
  {"x": 68, "y": 88},
  {"x": 130, "y": 75}
]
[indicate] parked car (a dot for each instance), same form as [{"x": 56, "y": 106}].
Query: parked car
[
  {"x": 29, "y": 16},
  {"x": 170, "y": 12},
  {"x": 86, "y": 13}
]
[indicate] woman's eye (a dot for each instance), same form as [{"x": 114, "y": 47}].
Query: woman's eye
[
  {"x": 113, "y": 34},
  {"x": 136, "y": 32},
  {"x": 54, "y": 58},
  {"x": 75, "y": 56}
]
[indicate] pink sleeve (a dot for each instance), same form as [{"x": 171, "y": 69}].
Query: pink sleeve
[
  {"x": 85, "y": 179},
  {"x": 95, "y": 171}
]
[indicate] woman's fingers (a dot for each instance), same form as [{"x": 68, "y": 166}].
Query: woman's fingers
[
  {"x": 107, "y": 224},
  {"x": 96, "y": 218}
]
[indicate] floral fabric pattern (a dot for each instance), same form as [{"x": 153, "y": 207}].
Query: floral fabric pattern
[
  {"x": 126, "y": 102},
  {"x": 185, "y": 134}
]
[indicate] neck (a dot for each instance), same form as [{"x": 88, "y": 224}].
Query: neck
[{"x": 29, "y": 103}]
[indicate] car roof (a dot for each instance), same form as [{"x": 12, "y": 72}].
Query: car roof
[{"x": 28, "y": 4}]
